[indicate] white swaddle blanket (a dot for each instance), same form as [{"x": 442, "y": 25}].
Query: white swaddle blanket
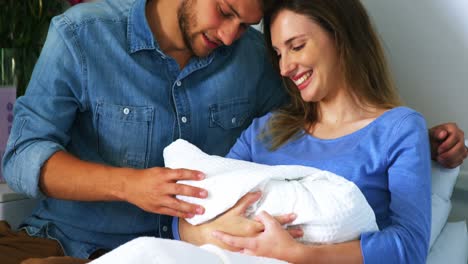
[{"x": 330, "y": 208}]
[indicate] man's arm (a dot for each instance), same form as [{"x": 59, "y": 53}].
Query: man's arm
[
  {"x": 153, "y": 189},
  {"x": 448, "y": 145}
]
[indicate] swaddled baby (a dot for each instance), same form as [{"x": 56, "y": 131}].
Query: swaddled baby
[{"x": 329, "y": 208}]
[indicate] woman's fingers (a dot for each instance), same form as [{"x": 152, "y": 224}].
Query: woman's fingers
[{"x": 233, "y": 241}]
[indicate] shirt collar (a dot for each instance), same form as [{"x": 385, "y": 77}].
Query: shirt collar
[{"x": 139, "y": 34}]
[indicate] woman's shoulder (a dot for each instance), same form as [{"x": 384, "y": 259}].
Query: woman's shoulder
[
  {"x": 401, "y": 115},
  {"x": 401, "y": 122}
]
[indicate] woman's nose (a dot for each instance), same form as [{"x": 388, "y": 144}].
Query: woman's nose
[{"x": 286, "y": 66}]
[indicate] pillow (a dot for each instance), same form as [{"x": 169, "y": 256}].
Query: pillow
[
  {"x": 450, "y": 246},
  {"x": 440, "y": 212},
  {"x": 443, "y": 180}
]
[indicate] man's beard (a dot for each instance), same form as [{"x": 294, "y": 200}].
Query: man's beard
[{"x": 187, "y": 21}]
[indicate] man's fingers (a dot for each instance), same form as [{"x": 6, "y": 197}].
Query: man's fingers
[
  {"x": 453, "y": 156},
  {"x": 451, "y": 142},
  {"x": 449, "y": 160},
  {"x": 438, "y": 133},
  {"x": 183, "y": 206},
  {"x": 246, "y": 201},
  {"x": 285, "y": 219},
  {"x": 295, "y": 232},
  {"x": 184, "y": 174},
  {"x": 173, "y": 212},
  {"x": 186, "y": 190},
  {"x": 441, "y": 134}
]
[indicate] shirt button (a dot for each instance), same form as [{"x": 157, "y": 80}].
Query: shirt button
[
  {"x": 178, "y": 83},
  {"x": 164, "y": 228},
  {"x": 233, "y": 120},
  {"x": 126, "y": 111},
  {"x": 184, "y": 119}
]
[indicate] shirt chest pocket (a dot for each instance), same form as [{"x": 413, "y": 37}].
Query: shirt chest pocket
[
  {"x": 227, "y": 121},
  {"x": 230, "y": 115},
  {"x": 124, "y": 134}
]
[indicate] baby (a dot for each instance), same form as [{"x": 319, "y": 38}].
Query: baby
[{"x": 329, "y": 208}]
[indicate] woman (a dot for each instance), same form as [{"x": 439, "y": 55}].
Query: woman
[{"x": 345, "y": 118}]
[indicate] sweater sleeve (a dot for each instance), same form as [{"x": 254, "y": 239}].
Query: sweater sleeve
[{"x": 406, "y": 239}]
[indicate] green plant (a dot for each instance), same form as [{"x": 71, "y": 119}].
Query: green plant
[{"x": 23, "y": 28}]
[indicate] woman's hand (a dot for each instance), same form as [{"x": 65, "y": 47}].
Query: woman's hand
[
  {"x": 274, "y": 241},
  {"x": 232, "y": 222}
]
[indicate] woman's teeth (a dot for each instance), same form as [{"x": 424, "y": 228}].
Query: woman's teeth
[{"x": 303, "y": 78}]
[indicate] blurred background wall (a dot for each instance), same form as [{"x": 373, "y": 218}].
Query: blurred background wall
[{"x": 427, "y": 47}]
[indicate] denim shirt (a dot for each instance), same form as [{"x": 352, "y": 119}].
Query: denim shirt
[{"x": 103, "y": 91}]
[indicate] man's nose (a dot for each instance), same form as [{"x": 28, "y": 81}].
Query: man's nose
[{"x": 229, "y": 32}]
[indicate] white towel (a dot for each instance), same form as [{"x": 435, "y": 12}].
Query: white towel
[{"x": 330, "y": 208}]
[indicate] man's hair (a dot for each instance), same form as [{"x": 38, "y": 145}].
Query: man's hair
[
  {"x": 267, "y": 4},
  {"x": 360, "y": 54}
]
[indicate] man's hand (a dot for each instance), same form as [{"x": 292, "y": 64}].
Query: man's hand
[
  {"x": 448, "y": 145},
  {"x": 154, "y": 190}
]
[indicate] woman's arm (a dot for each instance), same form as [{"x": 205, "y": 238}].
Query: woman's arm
[{"x": 404, "y": 237}]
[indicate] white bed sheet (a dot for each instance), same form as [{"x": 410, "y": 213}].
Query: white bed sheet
[
  {"x": 451, "y": 246},
  {"x": 151, "y": 250}
]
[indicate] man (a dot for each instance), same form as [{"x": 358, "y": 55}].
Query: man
[{"x": 116, "y": 82}]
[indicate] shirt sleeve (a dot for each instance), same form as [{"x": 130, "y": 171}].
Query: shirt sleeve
[
  {"x": 44, "y": 115},
  {"x": 406, "y": 239}
]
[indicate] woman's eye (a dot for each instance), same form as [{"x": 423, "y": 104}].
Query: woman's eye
[{"x": 298, "y": 48}]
